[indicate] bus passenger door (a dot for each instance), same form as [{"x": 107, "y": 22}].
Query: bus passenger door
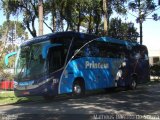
[
  {"x": 91, "y": 68},
  {"x": 106, "y": 74},
  {"x": 92, "y": 73},
  {"x": 110, "y": 59}
]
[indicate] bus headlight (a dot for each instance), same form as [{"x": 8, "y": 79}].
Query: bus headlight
[
  {"x": 119, "y": 74},
  {"x": 123, "y": 64},
  {"x": 15, "y": 84}
]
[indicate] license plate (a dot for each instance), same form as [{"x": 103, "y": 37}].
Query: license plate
[
  {"x": 26, "y": 83},
  {"x": 26, "y": 93}
]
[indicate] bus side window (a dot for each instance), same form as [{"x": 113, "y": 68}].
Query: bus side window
[
  {"x": 91, "y": 50},
  {"x": 56, "y": 58},
  {"x": 79, "y": 53},
  {"x": 115, "y": 51},
  {"x": 94, "y": 51},
  {"x": 77, "y": 49}
]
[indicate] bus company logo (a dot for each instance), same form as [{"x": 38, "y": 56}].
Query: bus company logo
[{"x": 96, "y": 65}]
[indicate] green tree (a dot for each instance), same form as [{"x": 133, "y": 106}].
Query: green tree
[
  {"x": 14, "y": 25},
  {"x": 108, "y": 7},
  {"x": 81, "y": 13},
  {"x": 121, "y": 30},
  {"x": 143, "y": 8},
  {"x": 74, "y": 13},
  {"x": 8, "y": 10},
  {"x": 20, "y": 31},
  {"x": 27, "y": 8}
]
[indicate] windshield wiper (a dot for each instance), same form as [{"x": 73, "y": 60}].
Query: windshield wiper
[{"x": 18, "y": 76}]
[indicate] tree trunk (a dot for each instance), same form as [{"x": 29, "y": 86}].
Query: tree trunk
[
  {"x": 32, "y": 32},
  {"x": 140, "y": 22},
  {"x": 105, "y": 9},
  {"x": 54, "y": 21},
  {"x": 141, "y": 33},
  {"x": 40, "y": 7},
  {"x": 89, "y": 24},
  {"x": 79, "y": 20}
]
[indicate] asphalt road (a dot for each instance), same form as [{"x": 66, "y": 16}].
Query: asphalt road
[{"x": 143, "y": 101}]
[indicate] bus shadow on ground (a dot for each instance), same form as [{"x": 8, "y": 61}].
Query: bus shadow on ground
[{"x": 143, "y": 101}]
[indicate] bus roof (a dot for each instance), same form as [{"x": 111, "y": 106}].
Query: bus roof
[
  {"x": 78, "y": 35},
  {"x": 118, "y": 41},
  {"x": 43, "y": 38}
]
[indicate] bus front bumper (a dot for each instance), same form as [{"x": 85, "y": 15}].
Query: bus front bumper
[{"x": 46, "y": 89}]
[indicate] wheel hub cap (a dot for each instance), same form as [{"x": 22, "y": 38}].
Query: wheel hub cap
[{"x": 77, "y": 89}]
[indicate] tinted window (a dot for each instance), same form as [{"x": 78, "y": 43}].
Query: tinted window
[
  {"x": 110, "y": 50},
  {"x": 56, "y": 58},
  {"x": 141, "y": 50},
  {"x": 103, "y": 49}
]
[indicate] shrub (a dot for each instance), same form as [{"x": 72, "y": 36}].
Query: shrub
[{"x": 155, "y": 70}]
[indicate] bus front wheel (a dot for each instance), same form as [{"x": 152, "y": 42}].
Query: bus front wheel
[{"x": 78, "y": 88}]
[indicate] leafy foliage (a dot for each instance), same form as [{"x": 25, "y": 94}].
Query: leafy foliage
[
  {"x": 156, "y": 17},
  {"x": 143, "y": 8},
  {"x": 20, "y": 28},
  {"x": 28, "y": 8},
  {"x": 155, "y": 70},
  {"x": 20, "y": 31},
  {"x": 124, "y": 31},
  {"x": 75, "y": 14},
  {"x": 4, "y": 74}
]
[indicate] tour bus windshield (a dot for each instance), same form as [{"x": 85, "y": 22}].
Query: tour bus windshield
[{"x": 32, "y": 60}]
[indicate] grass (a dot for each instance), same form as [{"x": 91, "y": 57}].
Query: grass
[{"x": 8, "y": 97}]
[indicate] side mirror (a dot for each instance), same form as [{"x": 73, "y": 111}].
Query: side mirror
[{"x": 6, "y": 59}]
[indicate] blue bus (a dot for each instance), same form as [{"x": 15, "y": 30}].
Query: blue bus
[{"x": 72, "y": 62}]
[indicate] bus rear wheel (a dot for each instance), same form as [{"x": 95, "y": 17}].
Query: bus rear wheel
[
  {"x": 133, "y": 84},
  {"x": 78, "y": 88}
]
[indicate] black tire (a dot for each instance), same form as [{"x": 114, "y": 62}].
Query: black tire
[
  {"x": 133, "y": 84},
  {"x": 78, "y": 88}
]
